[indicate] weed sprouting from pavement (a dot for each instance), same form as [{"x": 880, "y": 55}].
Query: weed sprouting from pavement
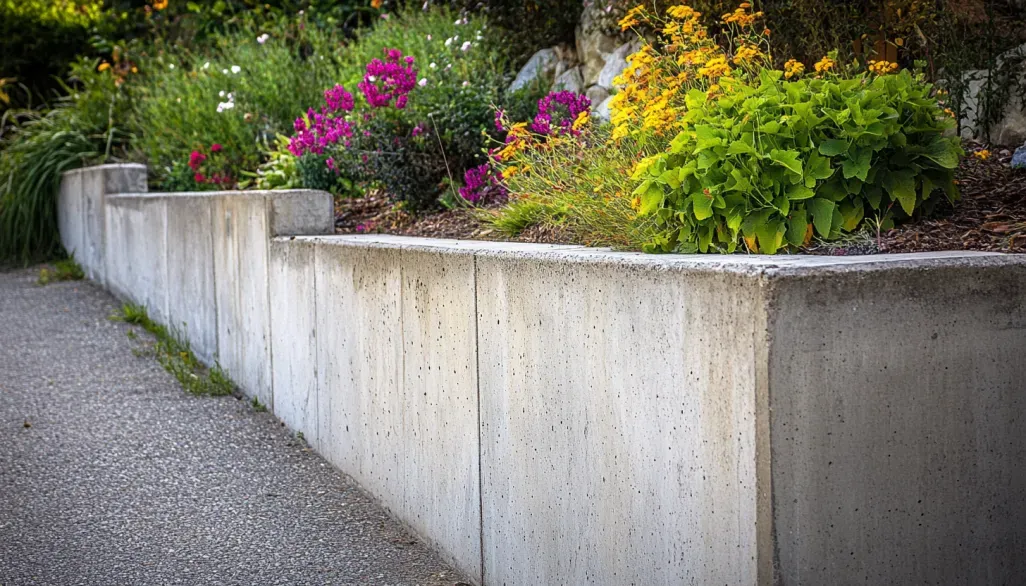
[
  {"x": 176, "y": 356},
  {"x": 257, "y": 405},
  {"x": 62, "y": 270}
]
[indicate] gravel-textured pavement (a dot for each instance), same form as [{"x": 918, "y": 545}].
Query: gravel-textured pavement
[{"x": 110, "y": 473}]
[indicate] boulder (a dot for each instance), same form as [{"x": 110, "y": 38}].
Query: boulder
[
  {"x": 542, "y": 65},
  {"x": 601, "y": 112},
  {"x": 593, "y": 51},
  {"x": 597, "y": 94},
  {"x": 616, "y": 63},
  {"x": 570, "y": 81},
  {"x": 1019, "y": 158}
]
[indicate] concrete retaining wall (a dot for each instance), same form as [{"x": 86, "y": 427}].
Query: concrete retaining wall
[{"x": 562, "y": 415}]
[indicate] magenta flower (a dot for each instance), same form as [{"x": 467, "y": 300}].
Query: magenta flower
[
  {"x": 338, "y": 99},
  {"x": 565, "y": 106},
  {"x": 388, "y": 81},
  {"x": 482, "y": 185}
]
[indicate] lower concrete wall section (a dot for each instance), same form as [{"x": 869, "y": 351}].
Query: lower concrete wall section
[{"x": 561, "y": 415}]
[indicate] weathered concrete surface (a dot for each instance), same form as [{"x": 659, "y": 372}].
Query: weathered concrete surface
[
  {"x": 899, "y": 423},
  {"x": 191, "y": 302},
  {"x": 618, "y": 411},
  {"x": 81, "y": 210},
  {"x": 293, "y": 324},
  {"x": 137, "y": 251},
  {"x": 397, "y": 393}
]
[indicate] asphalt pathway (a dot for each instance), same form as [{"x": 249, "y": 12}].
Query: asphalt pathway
[{"x": 110, "y": 473}]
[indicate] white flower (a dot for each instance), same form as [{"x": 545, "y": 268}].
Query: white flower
[
  {"x": 171, "y": 66},
  {"x": 263, "y": 38},
  {"x": 433, "y": 65},
  {"x": 465, "y": 47},
  {"x": 458, "y": 22},
  {"x": 466, "y": 83},
  {"x": 220, "y": 94},
  {"x": 448, "y": 41},
  {"x": 221, "y": 107},
  {"x": 372, "y": 79},
  {"x": 425, "y": 9},
  {"x": 236, "y": 69},
  {"x": 422, "y": 82},
  {"x": 224, "y": 71},
  {"x": 429, "y": 37},
  {"x": 206, "y": 65}
]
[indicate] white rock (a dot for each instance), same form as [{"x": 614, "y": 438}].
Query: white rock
[
  {"x": 571, "y": 81},
  {"x": 541, "y": 65},
  {"x": 616, "y": 63},
  {"x": 601, "y": 113}
]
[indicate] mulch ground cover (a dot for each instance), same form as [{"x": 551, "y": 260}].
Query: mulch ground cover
[{"x": 990, "y": 216}]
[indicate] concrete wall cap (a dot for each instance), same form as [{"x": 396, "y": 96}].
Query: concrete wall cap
[
  {"x": 107, "y": 166},
  {"x": 764, "y": 266}
]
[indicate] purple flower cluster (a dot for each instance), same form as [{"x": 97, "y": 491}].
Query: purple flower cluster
[
  {"x": 562, "y": 108},
  {"x": 317, "y": 130},
  {"x": 390, "y": 80},
  {"x": 482, "y": 185},
  {"x": 338, "y": 99}
]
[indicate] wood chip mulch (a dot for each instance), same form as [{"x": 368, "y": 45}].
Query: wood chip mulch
[{"x": 991, "y": 216}]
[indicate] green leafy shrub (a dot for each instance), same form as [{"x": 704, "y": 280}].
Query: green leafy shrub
[
  {"x": 774, "y": 160},
  {"x": 84, "y": 128}
]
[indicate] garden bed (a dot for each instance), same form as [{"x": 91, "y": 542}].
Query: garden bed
[{"x": 991, "y": 216}]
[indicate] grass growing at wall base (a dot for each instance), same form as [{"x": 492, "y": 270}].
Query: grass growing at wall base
[
  {"x": 175, "y": 355},
  {"x": 61, "y": 270}
]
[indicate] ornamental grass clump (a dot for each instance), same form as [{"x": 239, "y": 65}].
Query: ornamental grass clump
[{"x": 726, "y": 152}]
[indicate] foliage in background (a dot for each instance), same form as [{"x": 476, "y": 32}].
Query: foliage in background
[
  {"x": 727, "y": 149},
  {"x": 232, "y": 94},
  {"x": 447, "y": 73},
  {"x": 86, "y": 127},
  {"x": 39, "y": 40},
  {"x": 526, "y": 25}
]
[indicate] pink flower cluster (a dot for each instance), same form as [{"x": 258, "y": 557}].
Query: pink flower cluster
[
  {"x": 390, "y": 80},
  {"x": 318, "y": 130},
  {"x": 482, "y": 184},
  {"x": 563, "y": 107}
]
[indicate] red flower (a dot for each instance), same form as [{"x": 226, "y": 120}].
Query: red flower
[
  {"x": 196, "y": 159},
  {"x": 199, "y": 178},
  {"x": 214, "y": 148}
]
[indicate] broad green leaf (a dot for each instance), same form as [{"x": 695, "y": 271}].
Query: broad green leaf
[
  {"x": 671, "y": 178},
  {"x": 943, "y": 152},
  {"x": 651, "y": 199},
  {"x": 703, "y": 205},
  {"x": 771, "y": 236},
  {"x": 833, "y": 147},
  {"x": 857, "y": 165},
  {"x": 741, "y": 148},
  {"x": 788, "y": 159},
  {"x": 797, "y": 192},
  {"x": 902, "y": 187},
  {"x": 797, "y": 226},
  {"x": 819, "y": 167},
  {"x": 822, "y": 214},
  {"x": 852, "y": 214}
]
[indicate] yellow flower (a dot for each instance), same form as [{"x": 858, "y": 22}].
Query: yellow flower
[
  {"x": 716, "y": 67},
  {"x": 681, "y": 12},
  {"x": 793, "y": 68},
  {"x": 581, "y": 121},
  {"x": 634, "y": 17},
  {"x": 825, "y": 64},
  {"x": 509, "y": 172},
  {"x": 160, "y": 4},
  {"x": 620, "y": 132},
  {"x": 103, "y": 66},
  {"x": 882, "y": 67},
  {"x": 746, "y": 53},
  {"x": 982, "y": 155}
]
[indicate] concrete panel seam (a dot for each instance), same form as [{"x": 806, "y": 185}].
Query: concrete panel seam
[
  {"x": 480, "y": 435},
  {"x": 268, "y": 219}
]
